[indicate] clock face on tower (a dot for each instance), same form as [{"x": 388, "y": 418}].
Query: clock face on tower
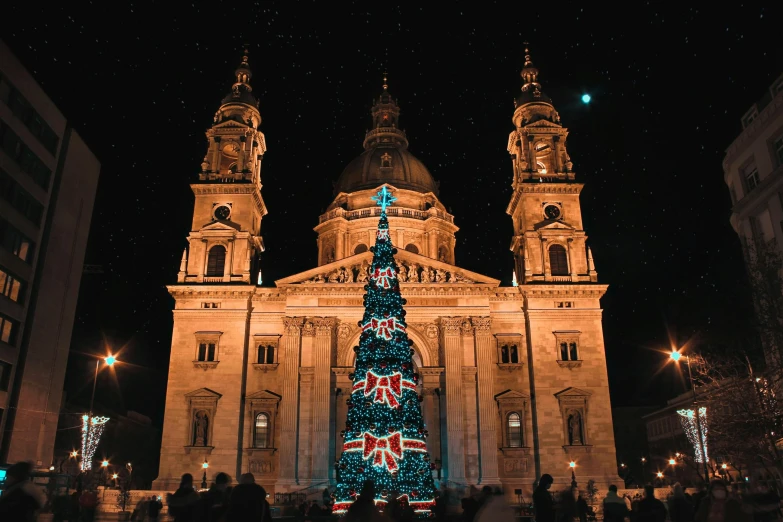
[
  {"x": 552, "y": 211},
  {"x": 222, "y": 212}
]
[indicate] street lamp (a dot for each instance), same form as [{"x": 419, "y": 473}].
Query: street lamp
[
  {"x": 109, "y": 360},
  {"x": 676, "y": 356},
  {"x": 204, "y": 478},
  {"x": 572, "y": 465},
  {"x": 672, "y": 462},
  {"x": 129, "y": 467}
]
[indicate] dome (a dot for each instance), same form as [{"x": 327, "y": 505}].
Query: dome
[{"x": 392, "y": 165}]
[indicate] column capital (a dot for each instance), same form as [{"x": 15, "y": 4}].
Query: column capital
[
  {"x": 451, "y": 325},
  {"x": 481, "y": 324},
  {"x": 293, "y": 325},
  {"x": 324, "y": 325}
]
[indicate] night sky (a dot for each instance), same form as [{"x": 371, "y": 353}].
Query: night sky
[{"x": 668, "y": 87}]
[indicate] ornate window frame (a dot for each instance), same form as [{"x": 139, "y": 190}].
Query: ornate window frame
[
  {"x": 207, "y": 338},
  {"x": 511, "y": 401},
  {"x": 206, "y": 400},
  {"x": 267, "y": 402},
  {"x": 574, "y": 399},
  {"x": 568, "y": 337},
  {"x": 509, "y": 340},
  {"x": 267, "y": 340}
]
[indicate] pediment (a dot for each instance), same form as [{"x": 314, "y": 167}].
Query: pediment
[
  {"x": 543, "y": 123},
  {"x": 572, "y": 392},
  {"x": 553, "y": 224},
  {"x": 230, "y": 124},
  {"x": 221, "y": 226},
  {"x": 511, "y": 395},
  {"x": 264, "y": 395},
  {"x": 440, "y": 272},
  {"x": 205, "y": 393}
]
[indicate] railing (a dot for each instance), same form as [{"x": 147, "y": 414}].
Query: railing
[
  {"x": 213, "y": 279},
  {"x": 396, "y": 212}
]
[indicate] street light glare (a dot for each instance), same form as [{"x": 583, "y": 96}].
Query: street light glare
[
  {"x": 105, "y": 463},
  {"x": 572, "y": 464},
  {"x": 660, "y": 475},
  {"x": 675, "y": 355},
  {"x": 205, "y": 465},
  {"x": 114, "y": 476},
  {"x": 110, "y": 360},
  {"x": 672, "y": 462},
  {"x": 586, "y": 98}
]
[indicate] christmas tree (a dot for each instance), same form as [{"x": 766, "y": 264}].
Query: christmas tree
[{"x": 384, "y": 434}]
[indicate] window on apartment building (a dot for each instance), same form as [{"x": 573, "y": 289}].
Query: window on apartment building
[
  {"x": 20, "y": 199},
  {"x": 15, "y": 242},
  {"x": 26, "y": 158},
  {"x": 8, "y": 329},
  {"x": 752, "y": 179},
  {"x": 749, "y": 117},
  {"x": 5, "y": 375},
  {"x": 11, "y": 286},
  {"x": 778, "y": 146},
  {"x": 22, "y": 109}
]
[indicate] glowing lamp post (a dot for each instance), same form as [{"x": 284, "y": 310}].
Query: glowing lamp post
[
  {"x": 572, "y": 466},
  {"x": 92, "y": 427},
  {"x": 204, "y": 478},
  {"x": 586, "y": 98},
  {"x": 701, "y": 449},
  {"x": 672, "y": 462}
]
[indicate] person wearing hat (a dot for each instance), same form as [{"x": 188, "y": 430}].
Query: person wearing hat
[{"x": 21, "y": 498}]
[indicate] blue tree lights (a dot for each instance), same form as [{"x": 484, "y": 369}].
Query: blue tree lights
[{"x": 384, "y": 436}]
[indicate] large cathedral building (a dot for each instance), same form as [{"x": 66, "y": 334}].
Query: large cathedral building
[{"x": 513, "y": 379}]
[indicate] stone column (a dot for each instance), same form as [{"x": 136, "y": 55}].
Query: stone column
[
  {"x": 488, "y": 444},
  {"x": 322, "y": 356},
  {"x": 433, "y": 244},
  {"x": 216, "y": 161},
  {"x": 452, "y": 347},
  {"x": 241, "y": 157},
  {"x": 339, "y": 245},
  {"x": 228, "y": 266},
  {"x": 431, "y": 408},
  {"x": 531, "y": 153},
  {"x": 556, "y": 153},
  {"x": 290, "y": 402},
  {"x": 571, "y": 260},
  {"x": 206, "y": 258},
  {"x": 545, "y": 261}
]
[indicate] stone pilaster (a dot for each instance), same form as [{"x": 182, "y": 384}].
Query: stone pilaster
[
  {"x": 307, "y": 448},
  {"x": 452, "y": 347},
  {"x": 487, "y": 408},
  {"x": 431, "y": 408},
  {"x": 322, "y": 356},
  {"x": 290, "y": 401}
]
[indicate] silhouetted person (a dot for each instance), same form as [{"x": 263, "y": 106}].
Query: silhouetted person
[
  {"x": 615, "y": 507},
  {"x": 21, "y": 498},
  {"x": 88, "y": 502},
  {"x": 393, "y": 509},
  {"x": 717, "y": 507},
  {"x": 543, "y": 505},
  {"x": 214, "y": 503},
  {"x": 153, "y": 509},
  {"x": 680, "y": 508},
  {"x": 184, "y": 503},
  {"x": 248, "y": 501},
  {"x": 581, "y": 508},
  {"x": 650, "y": 508},
  {"x": 363, "y": 509}
]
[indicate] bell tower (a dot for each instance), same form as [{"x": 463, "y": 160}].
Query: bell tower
[
  {"x": 549, "y": 241},
  {"x": 225, "y": 243}
]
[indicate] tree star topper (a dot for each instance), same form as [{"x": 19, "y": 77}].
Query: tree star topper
[{"x": 384, "y": 198}]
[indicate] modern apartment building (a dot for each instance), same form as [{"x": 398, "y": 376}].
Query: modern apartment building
[{"x": 48, "y": 180}]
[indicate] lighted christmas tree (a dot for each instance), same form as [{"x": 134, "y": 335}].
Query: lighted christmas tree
[{"x": 384, "y": 436}]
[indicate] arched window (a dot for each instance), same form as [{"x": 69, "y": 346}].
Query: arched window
[
  {"x": 558, "y": 260},
  {"x": 261, "y": 354},
  {"x": 360, "y": 248},
  {"x": 261, "y": 439},
  {"x": 412, "y": 248},
  {"x": 216, "y": 262},
  {"x": 514, "y": 427},
  {"x": 270, "y": 354}
]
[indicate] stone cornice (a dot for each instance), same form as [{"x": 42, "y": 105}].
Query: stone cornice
[
  {"x": 220, "y": 313},
  {"x": 223, "y": 188},
  {"x": 541, "y": 188},
  {"x": 563, "y": 290},
  {"x": 559, "y": 313},
  {"x": 200, "y": 291}
]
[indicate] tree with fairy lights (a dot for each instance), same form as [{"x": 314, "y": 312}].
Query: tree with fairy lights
[{"x": 384, "y": 436}]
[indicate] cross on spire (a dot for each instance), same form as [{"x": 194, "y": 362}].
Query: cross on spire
[{"x": 384, "y": 198}]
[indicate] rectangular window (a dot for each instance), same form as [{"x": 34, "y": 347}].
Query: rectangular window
[
  {"x": 22, "y": 109},
  {"x": 202, "y": 352},
  {"x": 210, "y": 305},
  {"x": 778, "y": 146},
  {"x": 15, "y": 242},
  {"x": 5, "y": 375},
  {"x": 11, "y": 286},
  {"x": 20, "y": 199},
  {"x": 8, "y": 329},
  {"x": 211, "y": 352},
  {"x": 27, "y": 160},
  {"x": 752, "y": 178}
]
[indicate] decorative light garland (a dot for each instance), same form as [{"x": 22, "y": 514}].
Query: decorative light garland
[
  {"x": 92, "y": 429},
  {"x": 691, "y": 428}
]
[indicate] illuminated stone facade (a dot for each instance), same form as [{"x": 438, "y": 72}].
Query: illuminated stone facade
[{"x": 514, "y": 379}]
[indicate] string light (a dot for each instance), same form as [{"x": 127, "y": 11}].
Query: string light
[
  {"x": 91, "y": 436},
  {"x": 385, "y": 434},
  {"x": 691, "y": 428}
]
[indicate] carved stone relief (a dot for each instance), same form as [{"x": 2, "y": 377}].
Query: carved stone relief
[
  {"x": 261, "y": 467},
  {"x": 512, "y": 466},
  {"x": 408, "y": 273}
]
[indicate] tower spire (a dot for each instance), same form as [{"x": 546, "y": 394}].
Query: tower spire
[
  {"x": 529, "y": 73},
  {"x": 385, "y": 86}
]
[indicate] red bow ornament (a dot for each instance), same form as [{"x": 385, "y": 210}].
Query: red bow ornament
[
  {"x": 384, "y": 451},
  {"x": 383, "y": 234},
  {"x": 386, "y": 388},
  {"x": 383, "y": 277},
  {"x": 383, "y": 328}
]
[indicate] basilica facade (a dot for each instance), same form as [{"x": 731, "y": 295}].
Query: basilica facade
[{"x": 513, "y": 379}]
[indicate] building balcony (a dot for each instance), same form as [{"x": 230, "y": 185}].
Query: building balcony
[{"x": 409, "y": 213}]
